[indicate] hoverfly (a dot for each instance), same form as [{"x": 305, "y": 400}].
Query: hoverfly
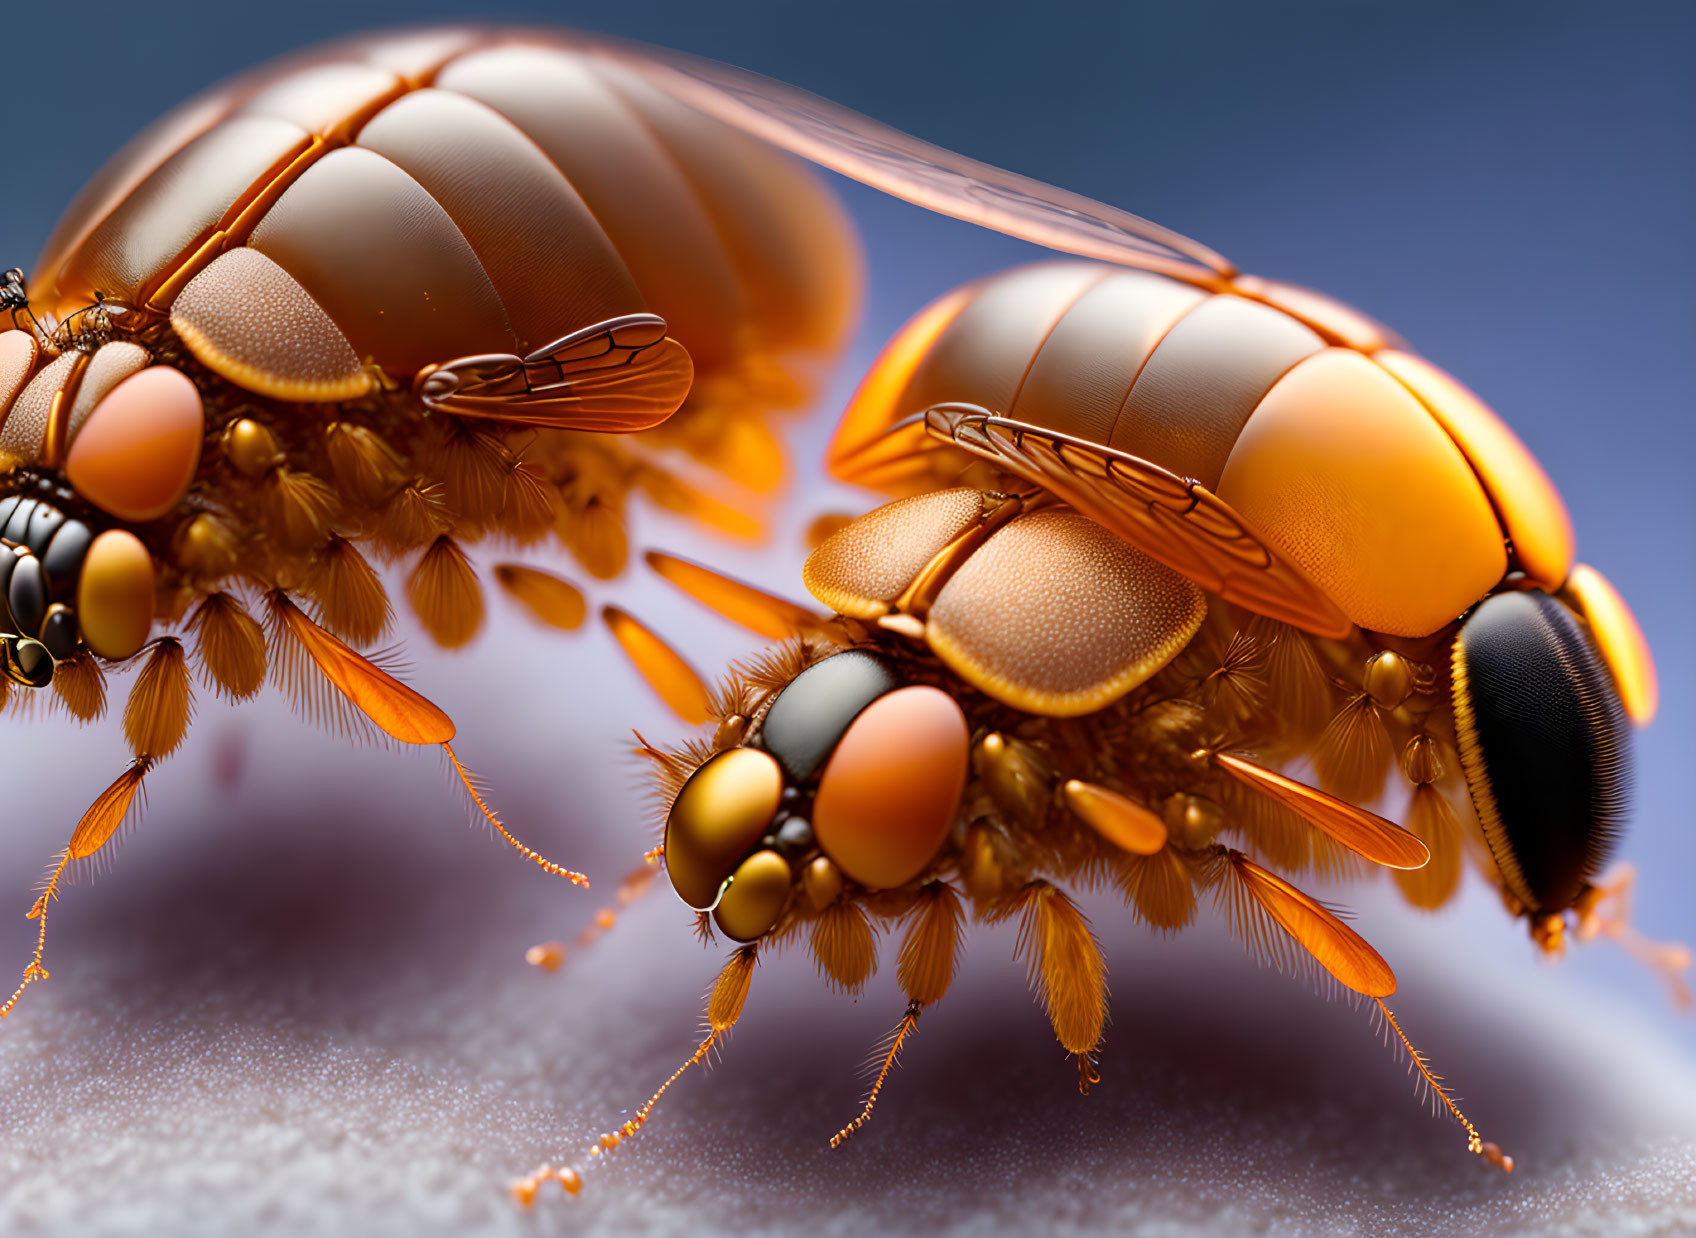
[
  {"x": 384, "y": 298},
  {"x": 1165, "y": 533}
]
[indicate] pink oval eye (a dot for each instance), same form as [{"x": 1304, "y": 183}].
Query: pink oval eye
[
  {"x": 891, "y": 789},
  {"x": 136, "y": 454}
]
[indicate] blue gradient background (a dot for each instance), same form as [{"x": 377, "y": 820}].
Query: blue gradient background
[{"x": 1511, "y": 187}]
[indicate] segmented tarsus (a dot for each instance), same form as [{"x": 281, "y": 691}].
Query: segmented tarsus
[
  {"x": 476, "y": 790},
  {"x": 1430, "y": 1086},
  {"x": 884, "y": 1057}
]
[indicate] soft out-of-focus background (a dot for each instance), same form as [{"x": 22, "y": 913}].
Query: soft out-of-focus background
[{"x": 299, "y": 1005}]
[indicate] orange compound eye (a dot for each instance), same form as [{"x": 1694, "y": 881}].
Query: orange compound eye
[
  {"x": 137, "y": 452},
  {"x": 115, "y": 594},
  {"x": 892, "y": 787},
  {"x": 720, "y": 813}
]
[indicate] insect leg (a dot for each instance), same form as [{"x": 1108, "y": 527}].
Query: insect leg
[
  {"x": 763, "y": 613},
  {"x": 550, "y": 956},
  {"x": 97, "y": 826},
  {"x": 1605, "y": 909},
  {"x": 156, "y": 718},
  {"x": 307, "y": 661},
  {"x": 1294, "y": 932},
  {"x": 890, "y": 1047},
  {"x": 1065, "y": 967},
  {"x": 724, "y": 1008},
  {"x": 678, "y": 683}
]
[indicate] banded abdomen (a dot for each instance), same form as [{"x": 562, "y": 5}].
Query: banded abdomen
[{"x": 1396, "y": 490}]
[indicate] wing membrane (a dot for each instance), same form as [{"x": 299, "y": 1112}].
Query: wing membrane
[
  {"x": 621, "y": 375},
  {"x": 939, "y": 180},
  {"x": 1177, "y": 521}
]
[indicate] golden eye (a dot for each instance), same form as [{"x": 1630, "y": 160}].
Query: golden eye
[
  {"x": 756, "y": 897},
  {"x": 115, "y": 594},
  {"x": 892, "y": 787},
  {"x": 722, "y": 811},
  {"x": 137, "y": 452}
]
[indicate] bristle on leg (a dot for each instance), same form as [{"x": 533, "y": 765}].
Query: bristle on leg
[
  {"x": 489, "y": 815},
  {"x": 1440, "y": 1092},
  {"x": 96, "y": 828},
  {"x": 908, "y": 1026}
]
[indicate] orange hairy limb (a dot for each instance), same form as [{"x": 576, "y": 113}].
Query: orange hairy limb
[
  {"x": 550, "y": 956},
  {"x": 761, "y": 612},
  {"x": 844, "y": 946},
  {"x": 393, "y": 707},
  {"x": 1261, "y": 903},
  {"x": 549, "y": 599},
  {"x": 1440, "y": 1092},
  {"x": 1605, "y": 909},
  {"x": 908, "y": 1026},
  {"x": 1366, "y": 834},
  {"x": 157, "y": 715},
  {"x": 930, "y": 954},
  {"x": 677, "y": 683},
  {"x": 1341, "y": 952},
  {"x": 1064, "y": 965},
  {"x": 96, "y": 828},
  {"x": 724, "y": 1008}
]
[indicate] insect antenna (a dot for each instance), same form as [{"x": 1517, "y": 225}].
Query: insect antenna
[
  {"x": 890, "y": 1049},
  {"x": 1433, "y": 1088}
]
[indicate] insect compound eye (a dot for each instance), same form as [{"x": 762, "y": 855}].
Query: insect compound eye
[
  {"x": 137, "y": 452},
  {"x": 1544, "y": 742},
  {"x": 115, "y": 594},
  {"x": 805, "y": 720},
  {"x": 27, "y": 661},
  {"x": 892, "y": 787},
  {"x": 756, "y": 895},
  {"x": 722, "y": 811}
]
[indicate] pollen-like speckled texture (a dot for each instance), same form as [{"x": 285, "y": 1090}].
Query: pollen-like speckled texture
[
  {"x": 17, "y": 358},
  {"x": 26, "y": 423},
  {"x": 248, "y": 319},
  {"x": 869, "y": 563},
  {"x": 1056, "y": 615}
]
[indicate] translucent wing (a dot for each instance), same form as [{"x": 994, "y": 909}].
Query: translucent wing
[
  {"x": 620, "y": 375},
  {"x": 939, "y": 180},
  {"x": 1177, "y": 521}
]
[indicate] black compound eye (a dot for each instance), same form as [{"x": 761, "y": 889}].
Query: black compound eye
[
  {"x": 810, "y": 716},
  {"x": 1545, "y": 745},
  {"x": 26, "y": 661}
]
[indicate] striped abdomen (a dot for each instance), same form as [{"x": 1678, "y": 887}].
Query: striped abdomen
[
  {"x": 1372, "y": 470},
  {"x": 453, "y": 193}
]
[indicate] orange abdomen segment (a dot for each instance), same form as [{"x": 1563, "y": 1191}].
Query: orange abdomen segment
[
  {"x": 533, "y": 191},
  {"x": 1530, "y": 507},
  {"x": 1344, "y": 471}
]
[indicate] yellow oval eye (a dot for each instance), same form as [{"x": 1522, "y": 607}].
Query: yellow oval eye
[
  {"x": 115, "y": 594},
  {"x": 892, "y": 787},
  {"x": 722, "y": 811},
  {"x": 756, "y": 896},
  {"x": 137, "y": 452}
]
